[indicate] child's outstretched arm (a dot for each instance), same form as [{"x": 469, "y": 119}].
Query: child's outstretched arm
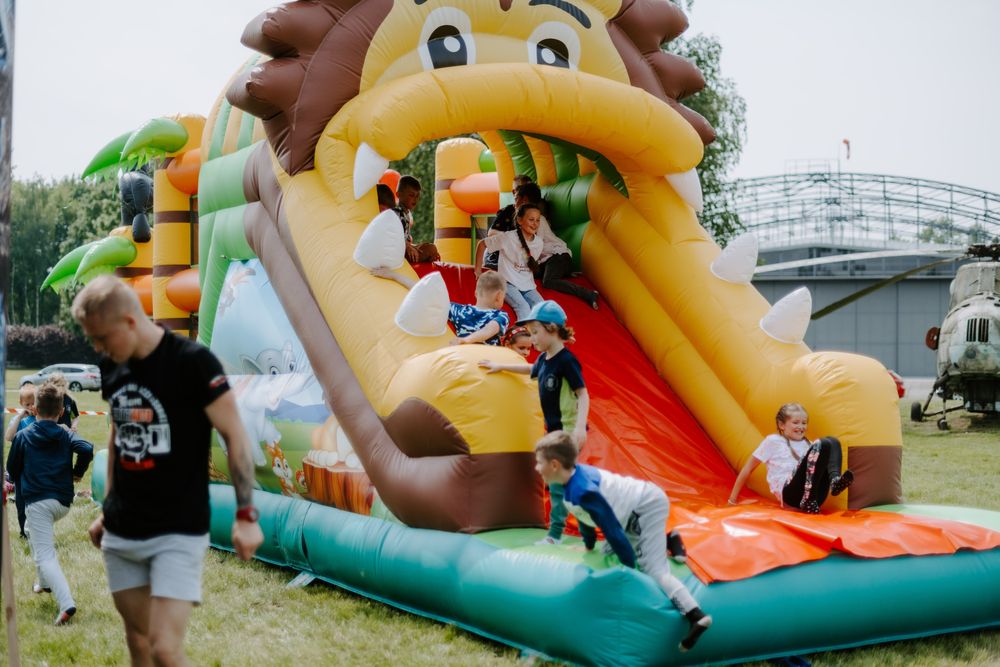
[
  {"x": 389, "y": 274},
  {"x": 741, "y": 479},
  {"x": 602, "y": 514},
  {"x": 15, "y": 422},
  {"x": 84, "y": 455},
  {"x": 491, "y": 329},
  {"x": 494, "y": 367},
  {"x": 480, "y": 256}
]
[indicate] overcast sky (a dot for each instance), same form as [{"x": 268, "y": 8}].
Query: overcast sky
[{"x": 913, "y": 84}]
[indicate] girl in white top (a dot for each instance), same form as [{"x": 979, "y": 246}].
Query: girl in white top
[
  {"x": 800, "y": 473},
  {"x": 519, "y": 253}
]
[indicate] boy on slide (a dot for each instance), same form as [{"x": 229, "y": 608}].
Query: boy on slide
[
  {"x": 485, "y": 322},
  {"x": 602, "y": 499}
]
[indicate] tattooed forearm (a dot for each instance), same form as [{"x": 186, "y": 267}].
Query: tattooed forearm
[{"x": 241, "y": 473}]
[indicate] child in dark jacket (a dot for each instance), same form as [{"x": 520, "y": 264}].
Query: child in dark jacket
[{"x": 41, "y": 465}]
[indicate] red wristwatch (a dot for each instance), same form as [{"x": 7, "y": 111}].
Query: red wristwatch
[{"x": 248, "y": 513}]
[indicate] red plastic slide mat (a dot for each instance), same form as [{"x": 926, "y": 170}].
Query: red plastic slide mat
[{"x": 639, "y": 427}]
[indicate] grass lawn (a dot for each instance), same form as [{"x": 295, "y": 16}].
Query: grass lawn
[{"x": 251, "y": 618}]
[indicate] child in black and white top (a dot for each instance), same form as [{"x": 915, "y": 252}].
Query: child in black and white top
[{"x": 800, "y": 473}]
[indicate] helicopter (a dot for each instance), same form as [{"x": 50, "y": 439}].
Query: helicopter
[{"x": 967, "y": 342}]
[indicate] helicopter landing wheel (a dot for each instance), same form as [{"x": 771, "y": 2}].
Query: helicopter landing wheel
[
  {"x": 943, "y": 425},
  {"x": 916, "y": 412}
]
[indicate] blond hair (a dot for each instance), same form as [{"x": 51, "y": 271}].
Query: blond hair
[
  {"x": 28, "y": 389},
  {"x": 106, "y": 297},
  {"x": 786, "y": 410},
  {"x": 59, "y": 380},
  {"x": 558, "y": 446},
  {"x": 490, "y": 282}
]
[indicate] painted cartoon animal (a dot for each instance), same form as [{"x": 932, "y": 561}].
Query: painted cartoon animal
[
  {"x": 268, "y": 378},
  {"x": 283, "y": 471}
]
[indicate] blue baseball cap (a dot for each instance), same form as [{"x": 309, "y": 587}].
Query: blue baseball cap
[{"x": 546, "y": 311}]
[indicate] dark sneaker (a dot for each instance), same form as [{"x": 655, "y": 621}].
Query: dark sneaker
[
  {"x": 810, "y": 507},
  {"x": 841, "y": 483},
  {"x": 65, "y": 615},
  {"x": 675, "y": 547},
  {"x": 699, "y": 623},
  {"x": 593, "y": 300},
  {"x": 38, "y": 589}
]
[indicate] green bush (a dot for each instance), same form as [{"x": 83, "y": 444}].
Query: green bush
[{"x": 35, "y": 347}]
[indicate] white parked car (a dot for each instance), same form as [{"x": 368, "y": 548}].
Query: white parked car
[{"x": 79, "y": 376}]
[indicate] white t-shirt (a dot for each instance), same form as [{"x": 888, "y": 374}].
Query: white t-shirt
[
  {"x": 551, "y": 244},
  {"x": 781, "y": 464},
  {"x": 513, "y": 262}
]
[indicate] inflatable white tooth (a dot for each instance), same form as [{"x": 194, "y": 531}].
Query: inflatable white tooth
[
  {"x": 738, "y": 260},
  {"x": 345, "y": 451},
  {"x": 788, "y": 319},
  {"x": 383, "y": 243},
  {"x": 688, "y": 186},
  {"x": 424, "y": 311},
  {"x": 368, "y": 168}
]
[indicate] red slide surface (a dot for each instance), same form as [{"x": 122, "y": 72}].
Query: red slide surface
[{"x": 639, "y": 427}]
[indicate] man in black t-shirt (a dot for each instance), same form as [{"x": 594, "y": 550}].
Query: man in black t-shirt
[{"x": 165, "y": 393}]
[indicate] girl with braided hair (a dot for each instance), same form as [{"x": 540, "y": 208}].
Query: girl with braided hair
[
  {"x": 519, "y": 252},
  {"x": 800, "y": 473}
]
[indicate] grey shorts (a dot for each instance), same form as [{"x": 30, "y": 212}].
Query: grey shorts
[{"x": 171, "y": 565}]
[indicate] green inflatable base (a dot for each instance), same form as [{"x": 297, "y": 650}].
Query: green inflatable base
[{"x": 562, "y": 603}]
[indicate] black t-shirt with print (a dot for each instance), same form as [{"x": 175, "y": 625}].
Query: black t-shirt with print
[
  {"x": 162, "y": 439},
  {"x": 559, "y": 378}
]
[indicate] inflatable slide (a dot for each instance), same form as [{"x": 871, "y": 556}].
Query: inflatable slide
[{"x": 390, "y": 464}]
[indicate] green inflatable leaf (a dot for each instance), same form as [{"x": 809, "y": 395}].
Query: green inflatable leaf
[
  {"x": 108, "y": 252},
  {"x": 107, "y": 160},
  {"x": 155, "y": 138},
  {"x": 64, "y": 272}
]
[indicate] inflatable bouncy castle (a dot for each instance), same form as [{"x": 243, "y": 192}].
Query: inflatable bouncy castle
[{"x": 389, "y": 463}]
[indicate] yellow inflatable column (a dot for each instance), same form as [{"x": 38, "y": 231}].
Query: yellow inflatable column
[
  {"x": 139, "y": 272},
  {"x": 453, "y": 235},
  {"x": 175, "y": 227}
]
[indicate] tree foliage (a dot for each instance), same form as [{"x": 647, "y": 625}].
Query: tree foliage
[
  {"x": 48, "y": 219},
  {"x": 725, "y": 109}
]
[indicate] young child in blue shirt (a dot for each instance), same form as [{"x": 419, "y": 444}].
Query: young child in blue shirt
[
  {"x": 483, "y": 322},
  {"x": 561, "y": 390},
  {"x": 21, "y": 420},
  {"x": 630, "y": 512},
  {"x": 41, "y": 464}
]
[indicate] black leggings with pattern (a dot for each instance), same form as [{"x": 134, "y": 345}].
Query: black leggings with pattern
[{"x": 816, "y": 471}]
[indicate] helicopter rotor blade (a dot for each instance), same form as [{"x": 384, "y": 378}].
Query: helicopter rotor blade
[
  {"x": 892, "y": 280},
  {"x": 949, "y": 251}
]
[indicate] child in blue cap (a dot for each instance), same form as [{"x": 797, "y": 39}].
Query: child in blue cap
[{"x": 561, "y": 389}]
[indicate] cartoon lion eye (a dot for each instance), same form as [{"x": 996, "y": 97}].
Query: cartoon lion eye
[
  {"x": 291, "y": 367},
  {"x": 446, "y": 39},
  {"x": 554, "y": 44},
  {"x": 273, "y": 370}
]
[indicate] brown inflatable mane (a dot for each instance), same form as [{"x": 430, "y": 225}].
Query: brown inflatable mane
[
  {"x": 318, "y": 49},
  {"x": 638, "y": 31}
]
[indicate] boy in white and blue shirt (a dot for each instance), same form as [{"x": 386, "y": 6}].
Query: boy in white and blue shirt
[
  {"x": 482, "y": 322},
  {"x": 631, "y": 513}
]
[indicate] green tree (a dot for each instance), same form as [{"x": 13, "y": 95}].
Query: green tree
[
  {"x": 48, "y": 219},
  {"x": 941, "y": 230},
  {"x": 721, "y": 104}
]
